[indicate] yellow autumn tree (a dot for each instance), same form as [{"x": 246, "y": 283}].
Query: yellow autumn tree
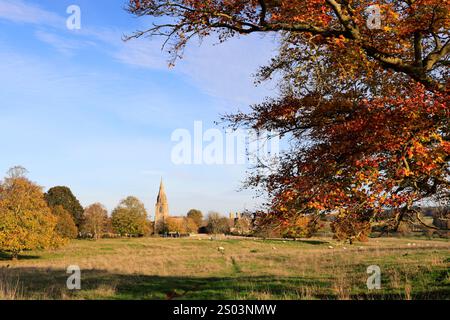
[
  {"x": 176, "y": 225},
  {"x": 191, "y": 226},
  {"x": 65, "y": 225},
  {"x": 26, "y": 221}
]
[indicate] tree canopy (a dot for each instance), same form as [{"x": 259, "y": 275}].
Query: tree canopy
[
  {"x": 26, "y": 221},
  {"x": 130, "y": 218},
  {"x": 65, "y": 226},
  {"x": 95, "y": 221},
  {"x": 196, "y": 216},
  {"x": 216, "y": 223},
  {"x": 365, "y": 110},
  {"x": 413, "y": 38},
  {"x": 63, "y": 196}
]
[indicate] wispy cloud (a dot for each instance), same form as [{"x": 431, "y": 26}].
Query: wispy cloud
[
  {"x": 108, "y": 127},
  {"x": 21, "y": 12},
  {"x": 64, "y": 45},
  {"x": 141, "y": 53},
  {"x": 226, "y": 70},
  {"x": 222, "y": 71}
]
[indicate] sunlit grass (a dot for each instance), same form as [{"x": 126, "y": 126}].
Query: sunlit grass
[{"x": 153, "y": 268}]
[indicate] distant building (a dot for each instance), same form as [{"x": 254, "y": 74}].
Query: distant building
[
  {"x": 161, "y": 209},
  {"x": 234, "y": 217},
  {"x": 239, "y": 224}
]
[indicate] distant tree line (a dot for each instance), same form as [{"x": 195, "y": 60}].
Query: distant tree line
[{"x": 31, "y": 219}]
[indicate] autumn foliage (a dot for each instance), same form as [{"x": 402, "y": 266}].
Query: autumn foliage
[
  {"x": 129, "y": 218},
  {"x": 63, "y": 196},
  {"x": 412, "y": 38},
  {"x": 26, "y": 221},
  {"x": 365, "y": 110},
  {"x": 65, "y": 226},
  {"x": 96, "y": 222}
]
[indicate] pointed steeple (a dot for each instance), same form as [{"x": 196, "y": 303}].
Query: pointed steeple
[
  {"x": 161, "y": 209},
  {"x": 162, "y": 198}
]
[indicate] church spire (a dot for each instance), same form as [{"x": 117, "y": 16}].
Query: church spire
[
  {"x": 161, "y": 209},
  {"x": 162, "y": 198},
  {"x": 161, "y": 185}
]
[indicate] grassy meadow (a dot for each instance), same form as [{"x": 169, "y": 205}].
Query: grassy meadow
[{"x": 155, "y": 268}]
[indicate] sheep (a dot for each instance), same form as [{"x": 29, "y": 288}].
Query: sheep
[{"x": 221, "y": 250}]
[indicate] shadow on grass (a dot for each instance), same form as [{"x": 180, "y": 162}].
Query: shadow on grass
[
  {"x": 313, "y": 242},
  {"x": 47, "y": 283},
  {"x": 7, "y": 257},
  {"x": 305, "y": 241}
]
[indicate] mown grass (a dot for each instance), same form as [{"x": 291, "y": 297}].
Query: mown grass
[{"x": 154, "y": 268}]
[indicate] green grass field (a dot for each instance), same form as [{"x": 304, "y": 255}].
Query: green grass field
[{"x": 153, "y": 268}]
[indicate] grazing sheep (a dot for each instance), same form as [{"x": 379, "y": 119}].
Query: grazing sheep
[{"x": 221, "y": 250}]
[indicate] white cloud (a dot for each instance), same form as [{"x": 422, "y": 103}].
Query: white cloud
[
  {"x": 20, "y": 12},
  {"x": 226, "y": 70},
  {"x": 223, "y": 71},
  {"x": 64, "y": 45},
  {"x": 141, "y": 53}
]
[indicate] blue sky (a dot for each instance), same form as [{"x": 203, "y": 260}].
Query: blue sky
[{"x": 84, "y": 109}]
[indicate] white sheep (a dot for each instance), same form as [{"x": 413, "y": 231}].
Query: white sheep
[{"x": 221, "y": 250}]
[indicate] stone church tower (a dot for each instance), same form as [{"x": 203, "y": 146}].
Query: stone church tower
[{"x": 161, "y": 209}]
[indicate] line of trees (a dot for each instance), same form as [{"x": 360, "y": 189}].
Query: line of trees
[
  {"x": 129, "y": 218},
  {"x": 31, "y": 219},
  {"x": 213, "y": 223}
]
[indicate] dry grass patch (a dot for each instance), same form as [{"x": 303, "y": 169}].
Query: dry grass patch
[{"x": 154, "y": 268}]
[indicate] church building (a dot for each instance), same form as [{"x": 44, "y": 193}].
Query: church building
[{"x": 161, "y": 209}]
